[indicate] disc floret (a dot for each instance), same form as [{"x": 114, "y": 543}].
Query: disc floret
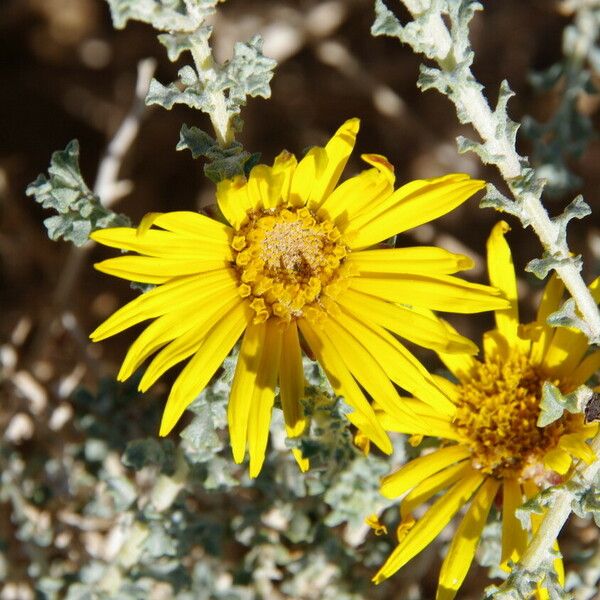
[
  {"x": 286, "y": 258},
  {"x": 497, "y": 413}
]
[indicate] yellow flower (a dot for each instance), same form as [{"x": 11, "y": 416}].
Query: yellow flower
[
  {"x": 293, "y": 263},
  {"x": 494, "y": 448}
]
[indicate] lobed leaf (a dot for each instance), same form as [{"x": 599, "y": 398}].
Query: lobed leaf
[{"x": 79, "y": 210}]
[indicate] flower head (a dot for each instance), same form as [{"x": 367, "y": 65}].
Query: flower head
[
  {"x": 493, "y": 447},
  {"x": 293, "y": 262}
]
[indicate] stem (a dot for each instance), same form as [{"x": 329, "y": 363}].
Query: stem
[
  {"x": 470, "y": 101},
  {"x": 219, "y": 117},
  {"x": 541, "y": 544}
]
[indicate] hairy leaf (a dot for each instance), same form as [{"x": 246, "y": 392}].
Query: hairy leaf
[{"x": 64, "y": 191}]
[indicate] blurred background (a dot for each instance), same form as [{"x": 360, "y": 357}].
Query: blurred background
[{"x": 66, "y": 73}]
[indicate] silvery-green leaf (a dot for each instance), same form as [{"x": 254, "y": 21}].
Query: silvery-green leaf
[
  {"x": 165, "y": 15},
  {"x": 222, "y": 163},
  {"x": 64, "y": 191},
  {"x": 386, "y": 22},
  {"x": 540, "y": 267},
  {"x": 248, "y": 73},
  {"x": 495, "y": 199},
  {"x": 554, "y": 402},
  {"x": 176, "y": 43}
]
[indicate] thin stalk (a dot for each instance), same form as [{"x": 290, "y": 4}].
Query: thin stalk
[{"x": 219, "y": 117}]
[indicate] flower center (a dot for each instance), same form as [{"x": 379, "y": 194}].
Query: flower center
[
  {"x": 286, "y": 258},
  {"x": 498, "y": 408}
]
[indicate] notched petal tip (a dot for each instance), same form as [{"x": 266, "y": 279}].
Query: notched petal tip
[
  {"x": 464, "y": 262},
  {"x": 351, "y": 126},
  {"x": 166, "y": 426},
  {"x": 235, "y": 183},
  {"x": 462, "y": 345},
  {"x": 382, "y": 164},
  {"x": 501, "y": 228},
  {"x": 147, "y": 221},
  {"x": 285, "y": 159},
  {"x": 256, "y": 463},
  {"x": 109, "y": 235},
  {"x": 101, "y": 266}
]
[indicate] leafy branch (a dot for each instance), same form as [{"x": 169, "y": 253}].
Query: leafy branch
[
  {"x": 218, "y": 90},
  {"x": 449, "y": 48}
]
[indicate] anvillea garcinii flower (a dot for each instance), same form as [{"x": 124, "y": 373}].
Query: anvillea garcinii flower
[
  {"x": 492, "y": 447},
  {"x": 296, "y": 260}
]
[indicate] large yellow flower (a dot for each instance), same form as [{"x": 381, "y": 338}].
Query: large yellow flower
[
  {"x": 494, "y": 446},
  {"x": 293, "y": 263}
]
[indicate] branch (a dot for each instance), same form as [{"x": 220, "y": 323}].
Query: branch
[
  {"x": 540, "y": 547},
  {"x": 107, "y": 186}
]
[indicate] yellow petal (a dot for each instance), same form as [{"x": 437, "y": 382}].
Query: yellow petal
[
  {"x": 338, "y": 151},
  {"x": 558, "y": 565},
  {"x": 495, "y": 345},
  {"x": 165, "y": 298},
  {"x": 242, "y": 388},
  {"x": 432, "y": 421},
  {"x": 461, "y": 365},
  {"x": 198, "y": 372},
  {"x": 464, "y": 542},
  {"x": 366, "y": 369},
  {"x": 551, "y": 298},
  {"x": 265, "y": 186},
  {"x": 430, "y": 525},
  {"x": 285, "y": 164},
  {"x": 419, "y": 259},
  {"x": 263, "y": 396},
  {"x": 451, "y": 390},
  {"x": 233, "y": 200},
  {"x": 309, "y": 169},
  {"x": 502, "y": 275},
  {"x": 185, "y": 222},
  {"x": 558, "y": 460},
  {"x": 514, "y": 537},
  {"x": 189, "y": 342},
  {"x": 588, "y": 366},
  {"x": 432, "y": 426},
  {"x": 429, "y": 487},
  {"x": 174, "y": 325},
  {"x": 291, "y": 381},
  {"x": 565, "y": 351},
  {"x": 356, "y": 194},
  {"x": 147, "y": 269},
  {"x": 160, "y": 332},
  {"x": 411, "y": 205},
  {"x": 419, "y": 469},
  {"x": 575, "y": 445},
  {"x": 423, "y": 329},
  {"x": 343, "y": 383},
  {"x": 396, "y": 361},
  {"x": 165, "y": 244},
  {"x": 568, "y": 346},
  {"x": 436, "y": 292}
]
